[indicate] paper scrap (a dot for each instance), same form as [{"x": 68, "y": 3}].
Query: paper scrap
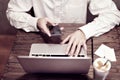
[{"x": 107, "y": 52}]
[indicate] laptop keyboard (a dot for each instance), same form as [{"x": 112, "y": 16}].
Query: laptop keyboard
[
  {"x": 51, "y": 50},
  {"x": 48, "y": 49}
]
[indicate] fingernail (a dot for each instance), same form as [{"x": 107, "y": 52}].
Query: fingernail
[
  {"x": 71, "y": 55},
  {"x": 49, "y": 35},
  {"x": 75, "y": 55},
  {"x": 66, "y": 53}
]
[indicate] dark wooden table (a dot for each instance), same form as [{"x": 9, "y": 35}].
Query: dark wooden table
[
  {"x": 6, "y": 43},
  {"x": 22, "y": 44},
  {"x": 14, "y": 71}
]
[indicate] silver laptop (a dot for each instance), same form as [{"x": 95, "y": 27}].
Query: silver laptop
[{"x": 51, "y": 58}]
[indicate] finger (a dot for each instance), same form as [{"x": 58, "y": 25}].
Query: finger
[
  {"x": 61, "y": 28},
  {"x": 69, "y": 46},
  {"x": 77, "y": 50},
  {"x": 73, "y": 48},
  {"x": 85, "y": 46},
  {"x": 51, "y": 22},
  {"x": 46, "y": 30},
  {"x": 65, "y": 40}
]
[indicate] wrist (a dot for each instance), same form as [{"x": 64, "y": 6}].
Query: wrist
[{"x": 81, "y": 32}]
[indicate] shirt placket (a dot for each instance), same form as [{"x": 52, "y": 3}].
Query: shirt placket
[{"x": 58, "y": 10}]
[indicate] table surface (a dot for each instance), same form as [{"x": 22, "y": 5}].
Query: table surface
[
  {"x": 14, "y": 71},
  {"x": 6, "y": 43}
]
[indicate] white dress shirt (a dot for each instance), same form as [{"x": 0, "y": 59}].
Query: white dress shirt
[{"x": 64, "y": 11}]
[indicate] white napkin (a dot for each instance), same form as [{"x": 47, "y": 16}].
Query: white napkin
[{"x": 107, "y": 52}]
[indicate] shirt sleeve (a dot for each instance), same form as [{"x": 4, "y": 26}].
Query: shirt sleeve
[
  {"x": 16, "y": 14},
  {"x": 108, "y": 17}
]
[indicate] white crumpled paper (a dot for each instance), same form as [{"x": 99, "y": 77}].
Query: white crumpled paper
[{"x": 106, "y": 52}]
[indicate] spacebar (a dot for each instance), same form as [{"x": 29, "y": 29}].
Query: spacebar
[
  {"x": 56, "y": 55},
  {"x": 65, "y": 55}
]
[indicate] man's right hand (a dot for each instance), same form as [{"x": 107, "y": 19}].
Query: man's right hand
[
  {"x": 42, "y": 25},
  {"x": 75, "y": 41}
]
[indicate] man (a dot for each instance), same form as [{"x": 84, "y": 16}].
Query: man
[{"x": 65, "y": 11}]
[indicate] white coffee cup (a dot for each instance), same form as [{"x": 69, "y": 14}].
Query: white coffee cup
[{"x": 101, "y": 69}]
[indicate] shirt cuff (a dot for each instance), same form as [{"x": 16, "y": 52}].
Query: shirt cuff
[
  {"x": 87, "y": 30},
  {"x": 33, "y": 23}
]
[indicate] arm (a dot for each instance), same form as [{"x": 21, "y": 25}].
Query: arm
[
  {"x": 16, "y": 14},
  {"x": 108, "y": 17}
]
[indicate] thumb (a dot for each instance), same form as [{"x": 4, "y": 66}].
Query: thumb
[
  {"x": 46, "y": 30},
  {"x": 50, "y": 22}
]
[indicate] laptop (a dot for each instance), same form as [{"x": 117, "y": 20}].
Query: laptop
[{"x": 51, "y": 58}]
